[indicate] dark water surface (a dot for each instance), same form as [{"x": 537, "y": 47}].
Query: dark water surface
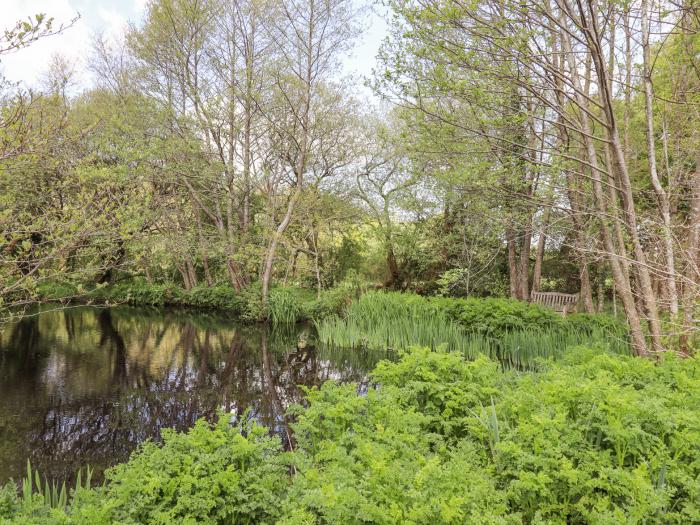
[{"x": 86, "y": 385}]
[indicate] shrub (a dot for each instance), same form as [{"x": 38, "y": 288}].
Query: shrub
[
  {"x": 330, "y": 302},
  {"x": 136, "y": 293},
  {"x": 220, "y": 297},
  {"x": 494, "y": 316},
  {"x": 207, "y": 475},
  {"x": 56, "y": 291}
]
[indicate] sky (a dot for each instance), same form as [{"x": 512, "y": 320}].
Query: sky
[{"x": 110, "y": 17}]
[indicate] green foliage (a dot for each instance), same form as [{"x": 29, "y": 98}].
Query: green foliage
[
  {"x": 287, "y": 305},
  {"x": 512, "y": 331},
  {"x": 495, "y": 316},
  {"x": 56, "y": 291},
  {"x": 283, "y": 307},
  {"x": 335, "y": 300},
  {"x": 220, "y": 474},
  {"x": 593, "y": 438},
  {"x": 220, "y": 297},
  {"x": 136, "y": 293}
]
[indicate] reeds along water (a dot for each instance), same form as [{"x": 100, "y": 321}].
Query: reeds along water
[
  {"x": 54, "y": 496},
  {"x": 388, "y": 321},
  {"x": 283, "y": 308}
]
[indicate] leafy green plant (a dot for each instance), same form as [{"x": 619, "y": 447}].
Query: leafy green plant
[
  {"x": 516, "y": 333},
  {"x": 593, "y": 438},
  {"x": 283, "y": 307}
]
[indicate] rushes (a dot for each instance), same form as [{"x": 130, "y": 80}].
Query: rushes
[
  {"x": 390, "y": 321},
  {"x": 54, "y": 496},
  {"x": 283, "y": 308}
]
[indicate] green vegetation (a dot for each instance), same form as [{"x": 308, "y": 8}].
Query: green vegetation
[
  {"x": 286, "y": 305},
  {"x": 218, "y": 162},
  {"x": 514, "y": 332},
  {"x": 187, "y": 174},
  {"x": 592, "y": 438}
]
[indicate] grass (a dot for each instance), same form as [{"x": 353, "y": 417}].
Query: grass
[
  {"x": 515, "y": 334},
  {"x": 54, "y": 496},
  {"x": 283, "y": 307}
]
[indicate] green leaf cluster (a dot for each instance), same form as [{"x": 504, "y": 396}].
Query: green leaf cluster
[{"x": 591, "y": 439}]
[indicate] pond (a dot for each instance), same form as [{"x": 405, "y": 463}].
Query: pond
[{"x": 85, "y": 385}]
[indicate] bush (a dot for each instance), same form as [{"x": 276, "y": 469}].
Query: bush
[
  {"x": 207, "y": 475},
  {"x": 493, "y": 316},
  {"x": 220, "y": 297},
  {"x": 136, "y": 293},
  {"x": 56, "y": 291},
  {"x": 331, "y": 302}
]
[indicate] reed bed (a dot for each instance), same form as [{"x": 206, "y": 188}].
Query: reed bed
[
  {"x": 283, "y": 307},
  {"x": 389, "y": 322}
]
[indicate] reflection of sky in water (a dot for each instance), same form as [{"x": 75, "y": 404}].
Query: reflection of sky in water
[{"x": 86, "y": 385}]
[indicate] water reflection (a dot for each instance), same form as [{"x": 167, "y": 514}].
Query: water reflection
[{"x": 85, "y": 385}]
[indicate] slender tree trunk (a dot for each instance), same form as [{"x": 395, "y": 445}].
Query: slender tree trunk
[
  {"x": 539, "y": 254},
  {"x": 589, "y": 22},
  {"x": 661, "y": 195},
  {"x": 191, "y": 271},
  {"x": 276, "y": 237},
  {"x": 692, "y": 272},
  {"x": 185, "y": 276},
  {"x": 586, "y": 296},
  {"x": 622, "y": 284},
  {"x": 524, "y": 273},
  {"x": 512, "y": 264}
]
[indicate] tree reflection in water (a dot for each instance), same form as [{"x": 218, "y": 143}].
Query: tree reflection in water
[{"x": 86, "y": 385}]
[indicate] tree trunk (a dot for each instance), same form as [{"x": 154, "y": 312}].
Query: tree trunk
[
  {"x": 191, "y": 271},
  {"x": 276, "y": 237},
  {"x": 512, "y": 265},
  {"x": 590, "y": 26},
  {"x": 692, "y": 272},
  {"x": 185, "y": 276},
  {"x": 586, "y": 296},
  {"x": 539, "y": 255},
  {"x": 524, "y": 272},
  {"x": 661, "y": 195},
  {"x": 621, "y": 282}
]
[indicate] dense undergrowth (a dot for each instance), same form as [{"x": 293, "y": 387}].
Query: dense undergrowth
[
  {"x": 286, "y": 304},
  {"x": 349, "y": 316},
  {"x": 593, "y": 438},
  {"x": 511, "y": 331}
]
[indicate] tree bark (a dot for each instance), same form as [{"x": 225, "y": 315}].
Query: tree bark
[
  {"x": 661, "y": 195},
  {"x": 539, "y": 254},
  {"x": 512, "y": 264},
  {"x": 621, "y": 282}
]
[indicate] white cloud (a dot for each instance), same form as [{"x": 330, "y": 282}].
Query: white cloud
[
  {"x": 114, "y": 21},
  {"x": 28, "y": 64}
]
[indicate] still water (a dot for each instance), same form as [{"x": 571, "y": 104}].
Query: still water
[{"x": 86, "y": 385}]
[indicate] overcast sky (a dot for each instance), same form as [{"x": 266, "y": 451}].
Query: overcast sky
[{"x": 111, "y": 16}]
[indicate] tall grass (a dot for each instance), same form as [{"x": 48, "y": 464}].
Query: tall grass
[
  {"x": 283, "y": 307},
  {"x": 380, "y": 321},
  {"x": 54, "y": 496}
]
